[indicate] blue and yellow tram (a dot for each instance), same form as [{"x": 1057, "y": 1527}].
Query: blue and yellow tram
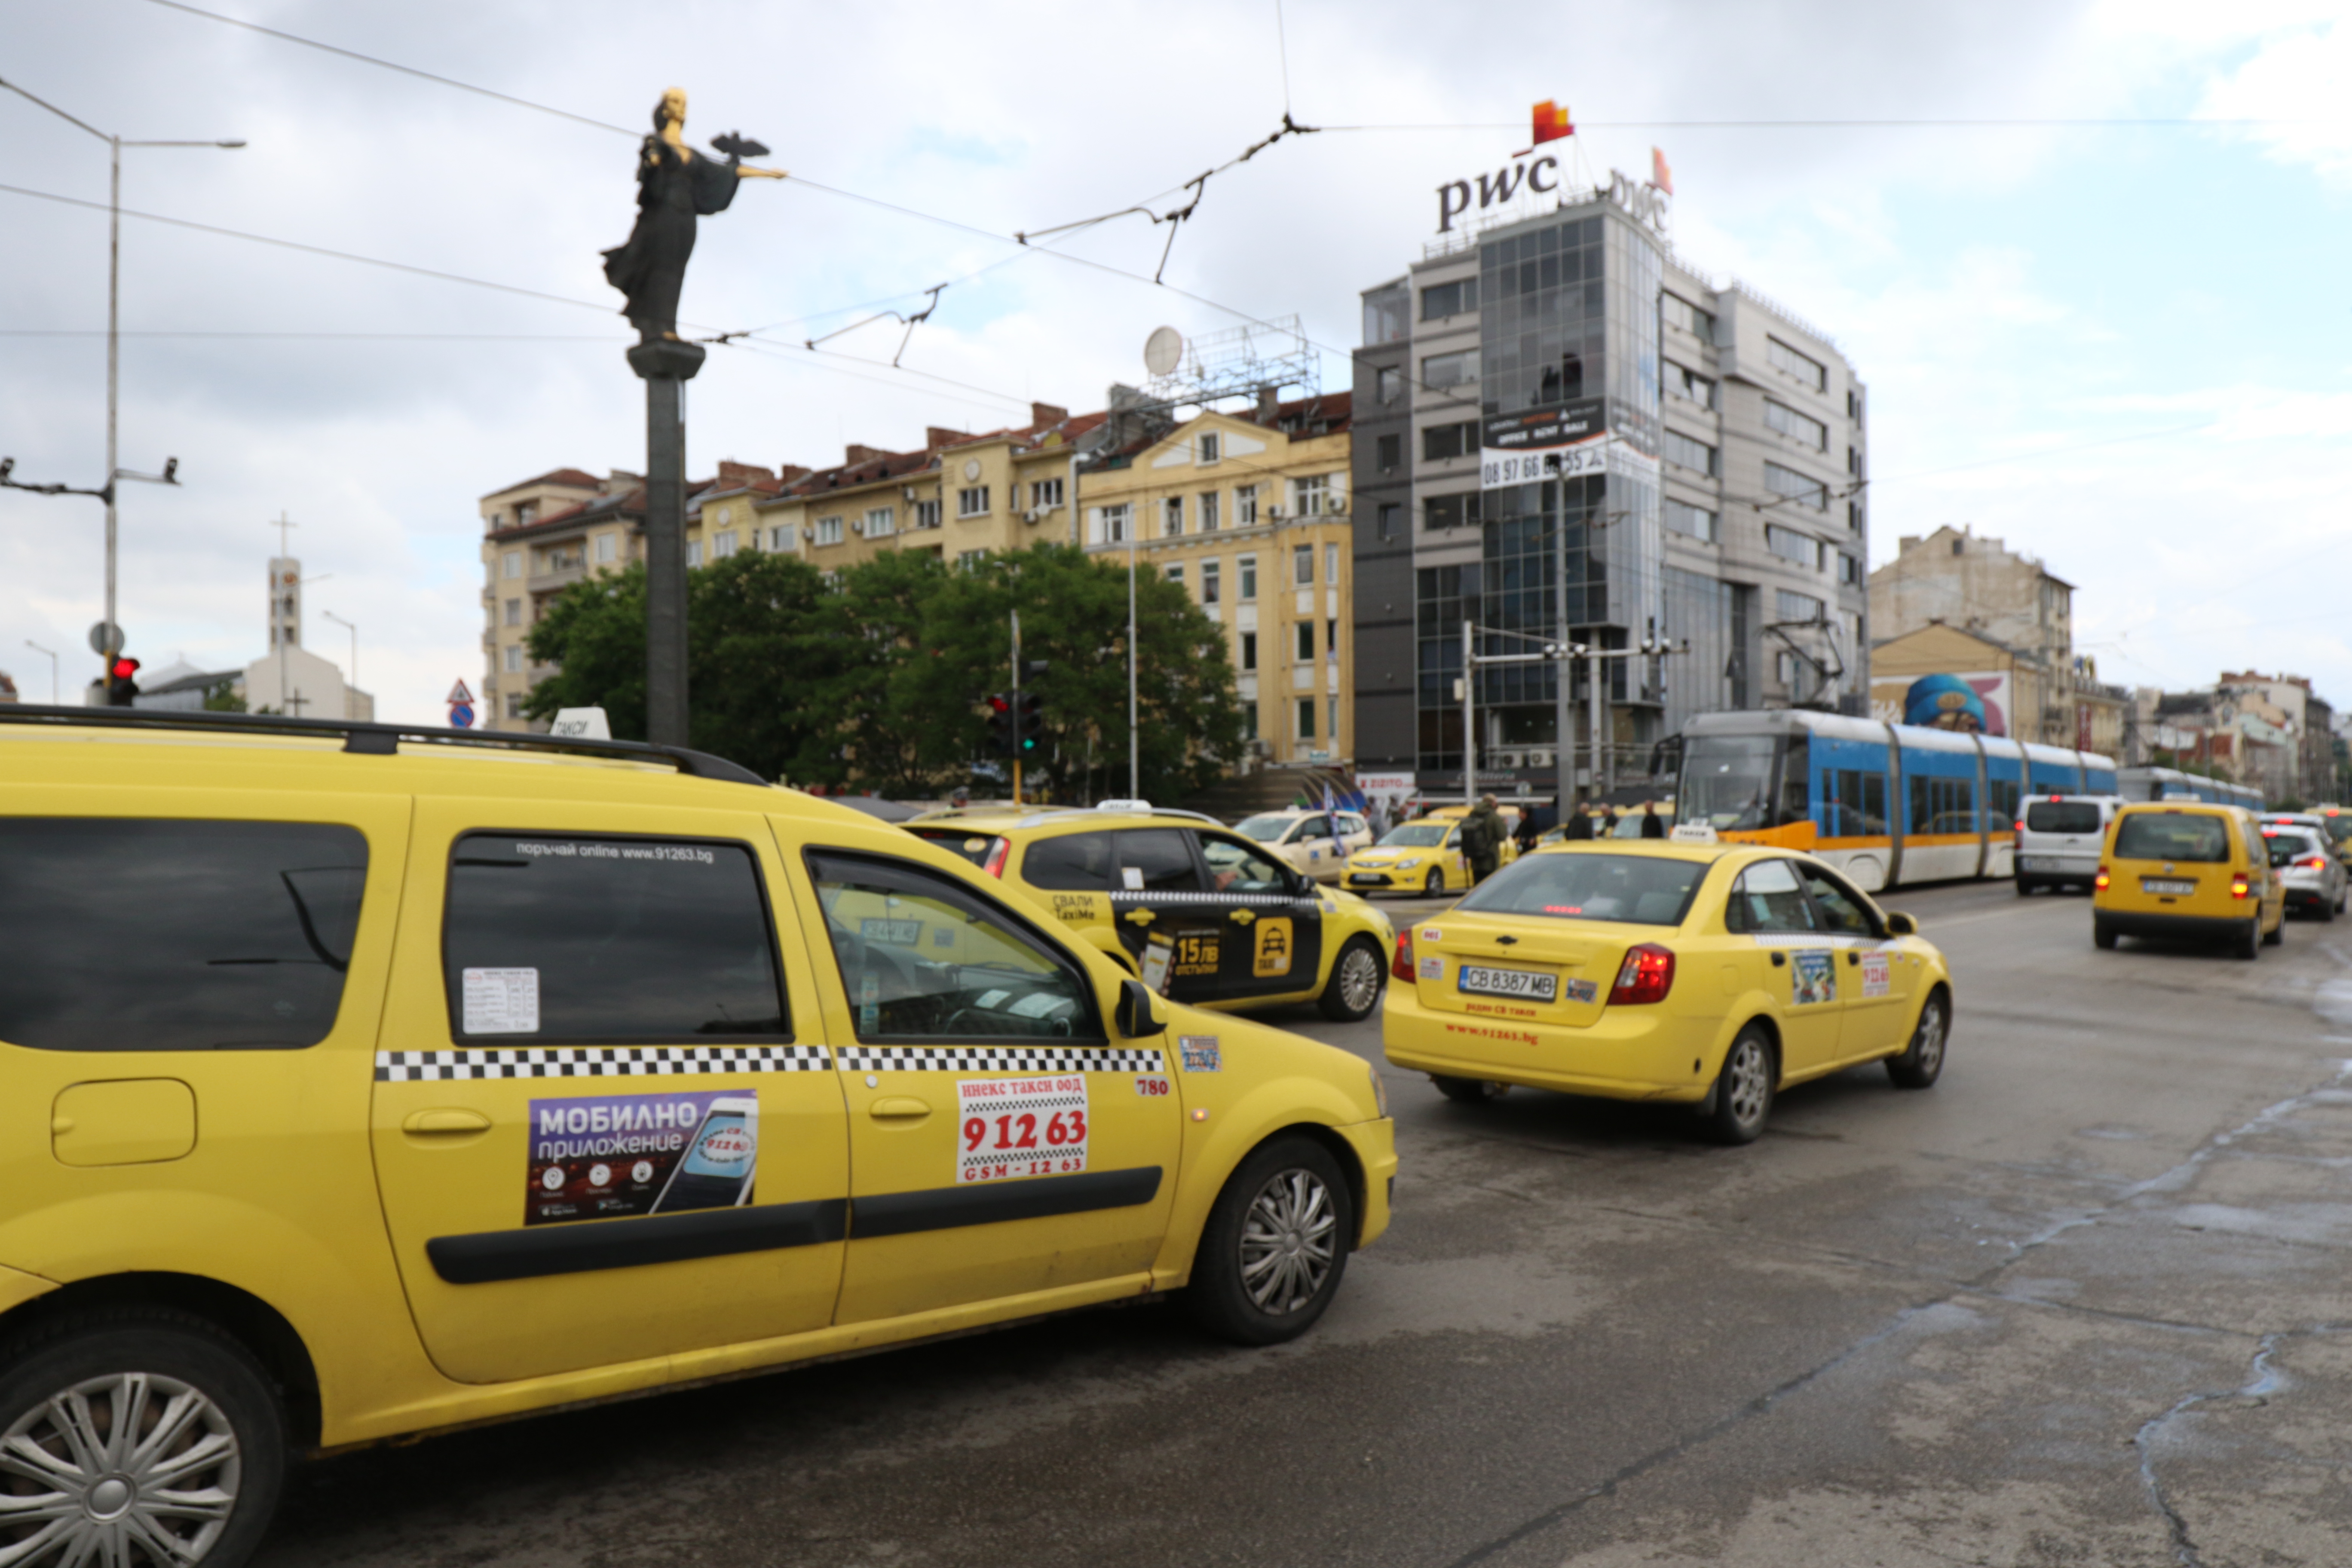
[
  {"x": 1887, "y": 803},
  {"x": 2169, "y": 783}
]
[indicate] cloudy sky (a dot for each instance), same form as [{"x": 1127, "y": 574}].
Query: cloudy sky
[{"x": 2122, "y": 346}]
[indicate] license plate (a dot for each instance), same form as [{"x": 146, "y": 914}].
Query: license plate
[
  {"x": 2040, "y": 863},
  {"x": 1524, "y": 982},
  {"x": 1366, "y": 876},
  {"x": 896, "y": 933},
  {"x": 2158, "y": 885}
]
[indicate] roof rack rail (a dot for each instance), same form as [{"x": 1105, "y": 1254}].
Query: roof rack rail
[{"x": 369, "y": 739}]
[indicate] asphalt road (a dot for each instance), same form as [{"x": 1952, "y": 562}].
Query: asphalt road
[{"x": 2086, "y": 1301}]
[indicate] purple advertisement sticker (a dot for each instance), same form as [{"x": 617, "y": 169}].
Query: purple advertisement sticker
[{"x": 611, "y": 1156}]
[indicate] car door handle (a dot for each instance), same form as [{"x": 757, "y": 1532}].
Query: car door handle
[
  {"x": 898, "y": 1108},
  {"x": 1778, "y": 959},
  {"x": 1141, "y": 917},
  {"x": 1852, "y": 956},
  {"x": 446, "y": 1123},
  {"x": 1242, "y": 917}
]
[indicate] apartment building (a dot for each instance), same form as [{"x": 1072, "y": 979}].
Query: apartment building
[{"x": 1250, "y": 512}]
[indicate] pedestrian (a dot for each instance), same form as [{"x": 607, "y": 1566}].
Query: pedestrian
[
  {"x": 1376, "y": 818},
  {"x": 1483, "y": 836},
  {"x": 1653, "y": 825},
  {"x": 1529, "y": 832},
  {"x": 1607, "y": 827}
]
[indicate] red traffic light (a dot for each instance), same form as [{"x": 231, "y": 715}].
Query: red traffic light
[
  {"x": 999, "y": 703},
  {"x": 123, "y": 669}
]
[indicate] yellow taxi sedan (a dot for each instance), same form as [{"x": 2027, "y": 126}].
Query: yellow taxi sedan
[
  {"x": 1423, "y": 857},
  {"x": 1700, "y": 973}
]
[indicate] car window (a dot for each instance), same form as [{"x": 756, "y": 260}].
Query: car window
[
  {"x": 1235, "y": 868},
  {"x": 1417, "y": 836},
  {"x": 2172, "y": 835},
  {"x": 1839, "y": 907},
  {"x": 2285, "y": 846},
  {"x": 2061, "y": 816},
  {"x": 1074, "y": 863},
  {"x": 562, "y": 939},
  {"x": 1267, "y": 828},
  {"x": 993, "y": 978},
  {"x": 126, "y": 936},
  {"x": 1158, "y": 860},
  {"x": 2257, "y": 852},
  {"x": 1315, "y": 827},
  {"x": 1768, "y": 898},
  {"x": 1640, "y": 889},
  {"x": 976, "y": 847},
  {"x": 1348, "y": 825}
]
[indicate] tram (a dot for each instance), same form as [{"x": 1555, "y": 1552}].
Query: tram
[
  {"x": 2168, "y": 783},
  {"x": 1886, "y": 803}
]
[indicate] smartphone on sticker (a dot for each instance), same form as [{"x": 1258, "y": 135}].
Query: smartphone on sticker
[{"x": 720, "y": 1159}]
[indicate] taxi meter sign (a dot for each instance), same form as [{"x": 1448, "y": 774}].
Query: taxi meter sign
[{"x": 461, "y": 707}]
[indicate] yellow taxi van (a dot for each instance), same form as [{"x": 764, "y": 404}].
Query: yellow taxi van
[
  {"x": 1684, "y": 970},
  {"x": 1202, "y": 914},
  {"x": 2187, "y": 870},
  {"x": 358, "y": 1081}
]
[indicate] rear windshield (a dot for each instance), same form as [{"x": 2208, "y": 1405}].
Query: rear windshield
[
  {"x": 2061, "y": 816},
  {"x": 2284, "y": 844},
  {"x": 2171, "y": 836},
  {"x": 2339, "y": 827},
  {"x": 972, "y": 846},
  {"x": 1638, "y": 889}
]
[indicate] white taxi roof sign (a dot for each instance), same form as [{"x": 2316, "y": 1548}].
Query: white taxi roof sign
[{"x": 1693, "y": 833}]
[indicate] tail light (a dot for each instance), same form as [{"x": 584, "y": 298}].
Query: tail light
[
  {"x": 2240, "y": 886},
  {"x": 1400, "y": 967},
  {"x": 1646, "y": 976},
  {"x": 2099, "y": 883},
  {"x": 994, "y": 864},
  {"x": 2312, "y": 862},
  {"x": 2021, "y": 825}
]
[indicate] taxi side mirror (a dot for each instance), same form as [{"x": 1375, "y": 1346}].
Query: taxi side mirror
[
  {"x": 1901, "y": 925},
  {"x": 1135, "y": 1014}
]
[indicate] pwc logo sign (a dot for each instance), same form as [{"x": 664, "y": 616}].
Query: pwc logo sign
[{"x": 1551, "y": 124}]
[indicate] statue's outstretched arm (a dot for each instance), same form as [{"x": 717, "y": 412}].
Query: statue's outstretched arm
[{"x": 745, "y": 172}]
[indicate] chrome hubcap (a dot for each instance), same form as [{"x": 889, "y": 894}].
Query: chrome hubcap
[
  {"x": 131, "y": 1470},
  {"x": 1289, "y": 1242},
  {"x": 1746, "y": 1083},
  {"x": 1927, "y": 1050},
  {"x": 1359, "y": 979}
]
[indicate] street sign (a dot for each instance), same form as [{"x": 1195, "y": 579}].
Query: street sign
[
  {"x": 105, "y": 640},
  {"x": 461, "y": 716},
  {"x": 459, "y": 693}
]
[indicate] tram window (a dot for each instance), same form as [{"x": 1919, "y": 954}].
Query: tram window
[
  {"x": 1943, "y": 805},
  {"x": 1796, "y": 778},
  {"x": 1857, "y": 805},
  {"x": 2000, "y": 805}
]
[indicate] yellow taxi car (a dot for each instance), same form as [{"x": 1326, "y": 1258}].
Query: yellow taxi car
[
  {"x": 1685, "y": 971},
  {"x": 1201, "y": 914},
  {"x": 1422, "y": 857},
  {"x": 2188, "y": 871},
  {"x": 357, "y": 1083}
]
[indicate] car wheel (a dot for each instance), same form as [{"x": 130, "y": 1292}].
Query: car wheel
[
  {"x": 136, "y": 1437},
  {"x": 1922, "y": 1061},
  {"x": 1742, "y": 1097},
  {"x": 2102, "y": 935},
  {"x": 2277, "y": 933},
  {"x": 1275, "y": 1246},
  {"x": 1469, "y": 1090},
  {"x": 1354, "y": 989},
  {"x": 2249, "y": 945},
  {"x": 1435, "y": 887},
  {"x": 2024, "y": 888}
]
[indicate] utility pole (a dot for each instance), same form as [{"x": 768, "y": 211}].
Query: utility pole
[
  {"x": 1134, "y": 742},
  {"x": 115, "y": 144},
  {"x": 1469, "y": 714},
  {"x": 1016, "y": 707}
]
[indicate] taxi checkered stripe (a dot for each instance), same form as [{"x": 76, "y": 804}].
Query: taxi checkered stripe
[
  {"x": 997, "y": 1059},
  {"x": 1065, "y": 1099},
  {"x": 594, "y": 1061},
  {"x": 1262, "y": 900}
]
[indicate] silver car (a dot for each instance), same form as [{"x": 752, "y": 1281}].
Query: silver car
[
  {"x": 2059, "y": 838},
  {"x": 2305, "y": 861}
]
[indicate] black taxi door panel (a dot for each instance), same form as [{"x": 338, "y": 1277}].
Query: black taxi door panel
[
  {"x": 1168, "y": 921},
  {"x": 1272, "y": 919}
]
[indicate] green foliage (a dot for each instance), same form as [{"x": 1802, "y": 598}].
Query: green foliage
[
  {"x": 222, "y": 698},
  {"x": 874, "y": 679}
]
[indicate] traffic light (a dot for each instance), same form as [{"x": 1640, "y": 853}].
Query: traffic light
[
  {"x": 120, "y": 686},
  {"x": 1029, "y": 724},
  {"x": 1000, "y": 724}
]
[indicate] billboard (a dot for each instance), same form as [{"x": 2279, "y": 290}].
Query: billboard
[{"x": 1971, "y": 701}]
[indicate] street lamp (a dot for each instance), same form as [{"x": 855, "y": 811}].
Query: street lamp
[{"x": 115, "y": 144}]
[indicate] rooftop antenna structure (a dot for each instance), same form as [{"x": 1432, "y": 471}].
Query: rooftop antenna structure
[{"x": 1237, "y": 362}]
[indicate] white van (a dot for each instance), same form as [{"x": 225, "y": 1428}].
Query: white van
[{"x": 2059, "y": 838}]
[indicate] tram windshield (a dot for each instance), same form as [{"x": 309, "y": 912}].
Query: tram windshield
[{"x": 1729, "y": 781}]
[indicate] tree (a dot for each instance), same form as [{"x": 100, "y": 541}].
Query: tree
[
  {"x": 755, "y": 652},
  {"x": 875, "y": 722},
  {"x": 221, "y": 697}
]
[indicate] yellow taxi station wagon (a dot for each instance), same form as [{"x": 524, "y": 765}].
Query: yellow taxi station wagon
[
  {"x": 357, "y": 1083},
  {"x": 1685, "y": 971},
  {"x": 1202, "y": 914}
]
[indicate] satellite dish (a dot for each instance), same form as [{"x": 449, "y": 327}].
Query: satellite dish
[{"x": 1163, "y": 351}]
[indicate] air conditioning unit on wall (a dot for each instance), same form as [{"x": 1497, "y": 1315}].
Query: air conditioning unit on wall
[{"x": 1337, "y": 506}]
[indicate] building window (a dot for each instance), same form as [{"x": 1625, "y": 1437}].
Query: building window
[
  {"x": 526, "y": 512},
  {"x": 1302, "y": 566},
  {"x": 1208, "y": 447},
  {"x": 1788, "y": 482},
  {"x": 1390, "y": 518},
  {"x": 514, "y": 563},
  {"x": 1688, "y": 385},
  {"x": 723, "y": 546},
  {"x": 1331, "y": 640},
  {"x": 881, "y": 522},
  {"x": 1681, "y": 313},
  {"x": 1388, "y": 384},
  {"x": 1390, "y": 456},
  {"x": 603, "y": 549},
  {"x": 1795, "y": 425},
  {"x": 1208, "y": 509},
  {"x": 1304, "y": 631},
  {"x": 1449, "y": 300},
  {"x": 1331, "y": 726},
  {"x": 1172, "y": 516},
  {"x": 1854, "y": 516},
  {"x": 1308, "y": 495},
  {"x": 1249, "y": 650},
  {"x": 1451, "y": 512},
  {"x": 828, "y": 531},
  {"x": 1849, "y": 569},
  {"x": 1686, "y": 453},
  {"x": 1385, "y": 314},
  {"x": 1803, "y": 366},
  {"x": 1245, "y": 506},
  {"x": 927, "y": 514},
  {"x": 1789, "y": 545},
  {"x": 1213, "y": 584},
  {"x": 1307, "y": 718},
  {"x": 1695, "y": 520},
  {"x": 785, "y": 537},
  {"x": 970, "y": 560},
  {"x": 1439, "y": 442},
  {"x": 1249, "y": 721},
  {"x": 1854, "y": 405},
  {"x": 514, "y": 611},
  {"x": 1176, "y": 575},
  {"x": 971, "y": 501},
  {"x": 515, "y": 700},
  {"x": 1853, "y": 460},
  {"x": 694, "y": 553},
  {"x": 1798, "y": 607},
  {"x": 514, "y": 658},
  {"x": 1439, "y": 372},
  {"x": 1111, "y": 523},
  {"x": 1330, "y": 565},
  {"x": 1247, "y": 567},
  {"x": 1045, "y": 492}
]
